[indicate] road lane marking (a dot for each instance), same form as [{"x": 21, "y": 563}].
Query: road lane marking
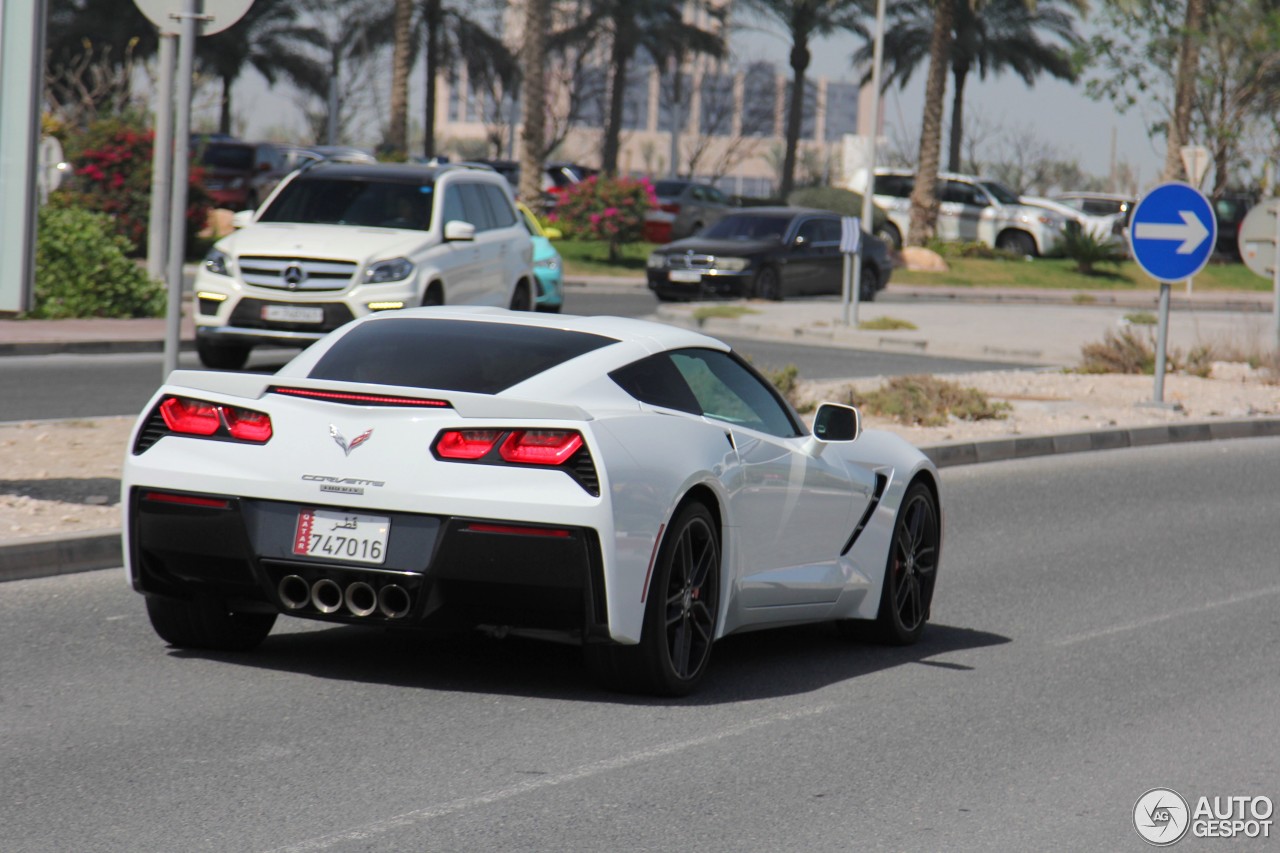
[
  {"x": 419, "y": 816},
  {"x": 1165, "y": 617}
]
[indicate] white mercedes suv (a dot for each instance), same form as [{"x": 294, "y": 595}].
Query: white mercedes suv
[
  {"x": 337, "y": 241},
  {"x": 970, "y": 209}
]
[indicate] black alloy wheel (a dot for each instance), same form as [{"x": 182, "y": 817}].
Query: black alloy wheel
[
  {"x": 681, "y": 613},
  {"x": 767, "y": 285},
  {"x": 1018, "y": 242},
  {"x": 912, "y": 569}
]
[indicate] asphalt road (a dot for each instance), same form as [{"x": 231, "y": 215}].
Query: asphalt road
[
  {"x": 73, "y": 386},
  {"x": 1104, "y": 624}
]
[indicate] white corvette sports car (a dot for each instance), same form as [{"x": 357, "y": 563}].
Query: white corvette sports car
[{"x": 634, "y": 486}]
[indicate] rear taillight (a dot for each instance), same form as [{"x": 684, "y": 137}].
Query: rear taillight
[
  {"x": 466, "y": 444},
  {"x": 185, "y": 416},
  {"x": 670, "y": 208},
  {"x": 558, "y": 449},
  {"x": 540, "y": 446}
]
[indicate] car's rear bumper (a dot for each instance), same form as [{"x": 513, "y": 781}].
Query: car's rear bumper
[{"x": 441, "y": 571}]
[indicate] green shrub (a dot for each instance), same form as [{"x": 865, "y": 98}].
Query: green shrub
[
  {"x": 112, "y": 161},
  {"x": 928, "y": 401},
  {"x": 1088, "y": 251},
  {"x": 83, "y": 269},
  {"x": 886, "y": 324},
  {"x": 1134, "y": 351},
  {"x": 610, "y": 210},
  {"x": 970, "y": 249},
  {"x": 837, "y": 200}
]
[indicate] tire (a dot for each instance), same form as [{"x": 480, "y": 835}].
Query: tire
[
  {"x": 870, "y": 284},
  {"x": 681, "y": 613},
  {"x": 911, "y": 569},
  {"x": 521, "y": 300},
  {"x": 433, "y": 296},
  {"x": 767, "y": 285},
  {"x": 551, "y": 309},
  {"x": 222, "y": 356},
  {"x": 891, "y": 235},
  {"x": 1018, "y": 242},
  {"x": 203, "y": 623}
]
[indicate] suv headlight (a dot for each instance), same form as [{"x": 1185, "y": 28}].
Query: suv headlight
[
  {"x": 552, "y": 263},
  {"x": 731, "y": 264},
  {"x": 656, "y": 261},
  {"x": 396, "y": 269},
  {"x": 216, "y": 262}
]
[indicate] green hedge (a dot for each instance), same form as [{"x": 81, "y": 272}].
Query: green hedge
[{"x": 83, "y": 269}]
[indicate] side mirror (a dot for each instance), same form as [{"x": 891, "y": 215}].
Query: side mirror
[
  {"x": 553, "y": 233},
  {"x": 833, "y": 422},
  {"x": 241, "y": 218},
  {"x": 455, "y": 230},
  {"x": 799, "y": 241}
]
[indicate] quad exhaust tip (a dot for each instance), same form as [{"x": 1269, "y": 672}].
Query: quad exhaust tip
[{"x": 360, "y": 598}]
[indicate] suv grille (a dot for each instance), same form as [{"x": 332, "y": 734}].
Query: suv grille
[{"x": 295, "y": 274}]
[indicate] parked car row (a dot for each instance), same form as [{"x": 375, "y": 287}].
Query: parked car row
[{"x": 239, "y": 175}]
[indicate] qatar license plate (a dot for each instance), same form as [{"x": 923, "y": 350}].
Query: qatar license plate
[
  {"x": 293, "y": 313},
  {"x": 345, "y": 536},
  {"x": 685, "y": 276}
]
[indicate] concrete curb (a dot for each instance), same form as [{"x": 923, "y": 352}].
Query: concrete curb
[
  {"x": 47, "y": 556},
  {"x": 88, "y": 347}
]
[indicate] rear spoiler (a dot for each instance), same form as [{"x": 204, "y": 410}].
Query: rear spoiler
[{"x": 254, "y": 386}]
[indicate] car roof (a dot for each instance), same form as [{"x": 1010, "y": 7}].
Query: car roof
[{"x": 397, "y": 172}]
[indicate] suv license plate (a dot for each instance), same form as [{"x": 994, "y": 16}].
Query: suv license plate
[
  {"x": 686, "y": 276},
  {"x": 293, "y": 313},
  {"x": 346, "y": 536}
]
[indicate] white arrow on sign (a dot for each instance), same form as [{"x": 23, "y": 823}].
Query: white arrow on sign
[{"x": 1191, "y": 232}]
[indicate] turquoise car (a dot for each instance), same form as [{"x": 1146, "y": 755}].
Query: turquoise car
[{"x": 547, "y": 266}]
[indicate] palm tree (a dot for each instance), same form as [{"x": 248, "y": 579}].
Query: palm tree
[
  {"x": 269, "y": 38},
  {"x": 924, "y": 196},
  {"x": 654, "y": 25},
  {"x": 993, "y": 37},
  {"x": 533, "y": 58},
  {"x": 351, "y": 33},
  {"x": 397, "y": 140},
  {"x": 804, "y": 20}
]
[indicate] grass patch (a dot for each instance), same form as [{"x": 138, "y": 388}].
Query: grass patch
[
  {"x": 1061, "y": 274},
  {"x": 725, "y": 312},
  {"x": 591, "y": 257},
  {"x": 928, "y": 401},
  {"x": 886, "y": 324},
  {"x": 1141, "y": 318}
]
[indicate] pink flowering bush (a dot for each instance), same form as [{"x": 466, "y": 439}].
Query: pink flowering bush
[
  {"x": 610, "y": 210},
  {"x": 112, "y": 160}
]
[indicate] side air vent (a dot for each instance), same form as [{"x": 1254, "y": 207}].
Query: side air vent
[{"x": 882, "y": 482}]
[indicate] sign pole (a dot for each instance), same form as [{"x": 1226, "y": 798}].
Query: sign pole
[
  {"x": 1275, "y": 280},
  {"x": 161, "y": 162},
  {"x": 181, "y": 175},
  {"x": 1162, "y": 338}
]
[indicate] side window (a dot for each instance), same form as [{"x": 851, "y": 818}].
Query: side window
[
  {"x": 716, "y": 196},
  {"x": 898, "y": 186},
  {"x": 810, "y": 231},
  {"x": 655, "y": 380},
  {"x": 453, "y": 204},
  {"x": 504, "y": 216},
  {"x": 727, "y": 390},
  {"x": 474, "y": 208},
  {"x": 828, "y": 230}
]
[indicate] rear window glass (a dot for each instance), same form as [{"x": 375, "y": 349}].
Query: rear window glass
[
  {"x": 669, "y": 188},
  {"x": 228, "y": 156},
  {"x": 450, "y": 355}
]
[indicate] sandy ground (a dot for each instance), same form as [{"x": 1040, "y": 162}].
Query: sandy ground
[{"x": 63, "y": 477}]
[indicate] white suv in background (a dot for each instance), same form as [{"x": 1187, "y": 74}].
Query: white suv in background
[
  {"x": 970, "y": 209},
  {"x": 337, "y": 241}
]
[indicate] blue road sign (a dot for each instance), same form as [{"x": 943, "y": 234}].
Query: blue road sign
[{"x": 1172, "y": 232}]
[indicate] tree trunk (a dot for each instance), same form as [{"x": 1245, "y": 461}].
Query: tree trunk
[
  {"x": 620, "y": 56},
  {"x": 431, "y": 64},
  {"x": 924, "y": 196},
  {"x": 795, "y": 113},
  {"x": 959, "y": 73},
  {"x": 1184, "y": 91},
  {"x": 398, "y": 129},
  {"x": 537, "y": 14}
]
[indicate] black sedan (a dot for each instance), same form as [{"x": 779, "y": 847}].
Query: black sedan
[{"x": 766, "y": 253}]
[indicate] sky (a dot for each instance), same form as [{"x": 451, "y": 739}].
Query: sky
[{"x": 1054, "y": 114}]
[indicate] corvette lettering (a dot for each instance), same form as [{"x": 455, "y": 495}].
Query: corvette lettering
[{"x": 342, "y": 481}]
